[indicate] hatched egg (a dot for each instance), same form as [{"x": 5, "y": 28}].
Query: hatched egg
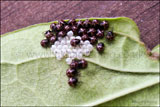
[
  {"x": 63, "y": 52},
  {"x": 59, "y": 47},
  {"x": 70, "y": 33},
  {"x": 56, "y": 51},
  {"x": 72, "y": 55},
  {"x": 79, "y": 56},
  {"x": 83, "y": 47},
  {"x": 86, "y": 52},
  {"x": 63, "y": 42},
  {"x": 86, "y": 42},
  {"x": 59, "y": 56},
  {"x": 59, "y": 38},
  {"x": 65, "y": 47},
  {"x": 81, "y": 42},
  {"x": 68, "y": 60},
  {"x": 74, "y": 50},
  {"x": 53, "y": 47},
  {"x": 79, "y": 50},
  {"x": 68, "y": 42},
  {"x": 78, "y": 37},
  {"x": 89, "y": 47},
  {"x": 57, "y": 43},
  {"x": 69, "y": 51}
]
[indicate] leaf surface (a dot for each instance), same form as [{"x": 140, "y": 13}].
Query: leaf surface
[
  {"x": 145, "y": 97},
  {"x": 31, "y": 75},
  {"x": 156, "y": 49}
]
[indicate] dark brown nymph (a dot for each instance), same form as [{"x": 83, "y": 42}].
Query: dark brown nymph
[
  {"x": 100, "y": 47},
  {"x": 71, "y": 72},
  {"x": 72, "y": 81},
  {"x": 110, "y": 35},
  {"x": 75, "y": 42},
  {"x": 44, "y": 43}
]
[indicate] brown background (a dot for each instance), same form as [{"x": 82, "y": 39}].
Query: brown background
[{"x": 19, "y": 14}]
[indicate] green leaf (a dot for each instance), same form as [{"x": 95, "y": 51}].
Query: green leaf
[
  {"x": 156, "y": 49},
  {"x": 31, "y": 75},
  {"x": 126, "y": 55},
  {"x": 146, "y": 97},
  {"x": 44, "y": 81}
]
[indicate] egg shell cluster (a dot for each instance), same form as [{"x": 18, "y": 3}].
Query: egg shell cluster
[{"x": 62, "y": 48}]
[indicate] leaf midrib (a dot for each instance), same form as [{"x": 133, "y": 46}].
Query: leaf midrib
[
  {"x": 113, "y": 69},
  {"x": 121, "y": 34}
]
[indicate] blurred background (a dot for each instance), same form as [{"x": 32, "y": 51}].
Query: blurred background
[{"x": 19, "y": 14}]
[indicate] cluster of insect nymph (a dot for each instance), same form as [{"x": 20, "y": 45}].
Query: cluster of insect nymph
[{"x": 74, "y": 39}]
